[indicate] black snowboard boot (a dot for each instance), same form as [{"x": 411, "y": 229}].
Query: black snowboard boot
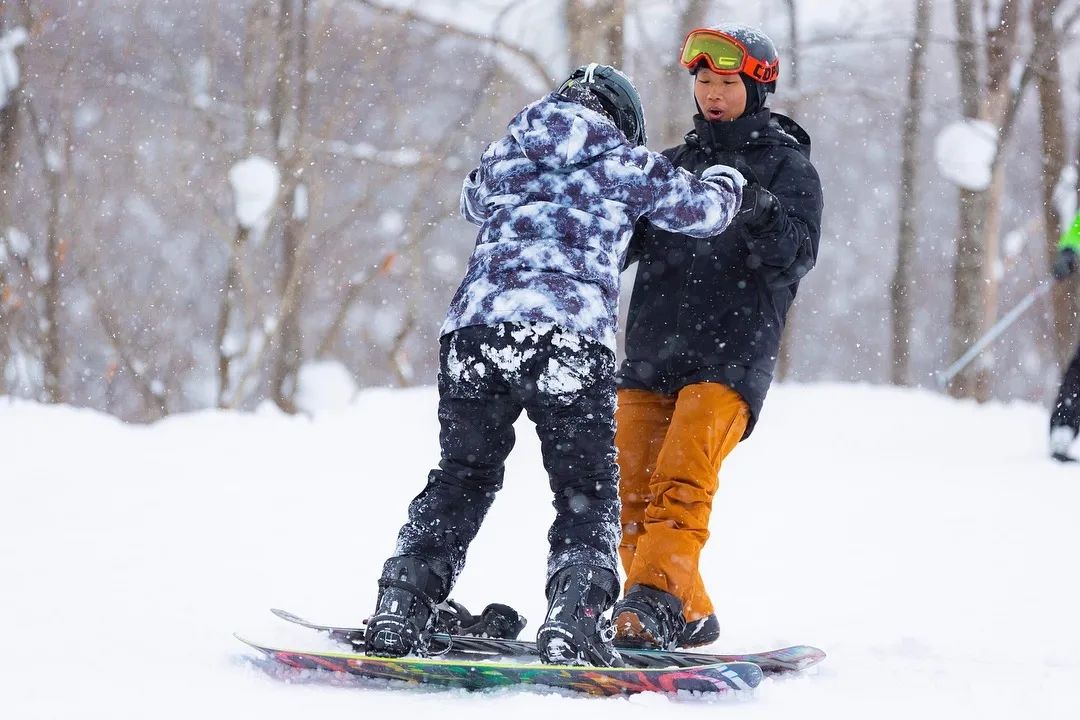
[
  {"x": 575, "y": 631},
  {"x": 648, "y": 618},
  {"x": 404, "y": 616},
  {"x": 699, "y": 632}
]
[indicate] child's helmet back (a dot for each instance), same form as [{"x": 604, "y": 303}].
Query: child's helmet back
[{"x": 616, "y": 93}]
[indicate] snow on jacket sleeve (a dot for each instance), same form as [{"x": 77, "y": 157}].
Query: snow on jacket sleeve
[
  {"x": 789, "y": 248},
  {"x": 685, "y": 204}
]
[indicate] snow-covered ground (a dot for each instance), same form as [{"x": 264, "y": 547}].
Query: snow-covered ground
[{"x": 928, "y": 545}]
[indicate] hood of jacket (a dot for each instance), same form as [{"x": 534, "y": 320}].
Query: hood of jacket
[{"x": 557, "y": 133}]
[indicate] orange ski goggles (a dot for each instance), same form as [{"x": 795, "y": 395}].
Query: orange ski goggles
[{"x": 725, "y": 55}]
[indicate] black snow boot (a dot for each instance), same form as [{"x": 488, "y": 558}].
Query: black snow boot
[
  {"x": 405, "y": 614},
  {"x": 575, "y": 631},
  {"x": 648, "y": 618},
  {"x": 698, "y": 632}
]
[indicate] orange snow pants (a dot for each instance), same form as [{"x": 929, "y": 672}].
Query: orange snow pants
[{"x": 670, "y": 450}]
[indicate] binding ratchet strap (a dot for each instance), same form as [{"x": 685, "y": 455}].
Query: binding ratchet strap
[{"x": 414, "y": 589}]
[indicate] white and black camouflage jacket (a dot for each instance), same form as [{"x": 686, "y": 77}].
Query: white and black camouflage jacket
[{"x": 556, "y": 201}]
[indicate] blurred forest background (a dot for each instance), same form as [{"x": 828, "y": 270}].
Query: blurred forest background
[{"x": 135, "y": 277}]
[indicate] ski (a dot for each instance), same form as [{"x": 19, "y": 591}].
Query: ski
[
  {"x": 772, "y": 662},
  {"x": 481, "y": 675}
]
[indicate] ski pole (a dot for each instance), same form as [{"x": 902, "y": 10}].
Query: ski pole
[{"x": 944, "y": 377}]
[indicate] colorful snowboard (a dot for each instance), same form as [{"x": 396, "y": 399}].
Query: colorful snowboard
[
  {"x": 471, "y": 675},
  {"x": 772, "y": 662}
]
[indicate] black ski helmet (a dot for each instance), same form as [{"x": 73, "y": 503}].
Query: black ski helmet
[
  {"x": 616, "y": 94},
  {"x": 759, "y": 46}
]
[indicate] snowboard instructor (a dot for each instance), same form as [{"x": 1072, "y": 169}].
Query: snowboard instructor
[{"x": 703, "y": 333}]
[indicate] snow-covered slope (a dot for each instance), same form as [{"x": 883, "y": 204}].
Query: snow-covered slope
[{"x": 926, "y": 544}]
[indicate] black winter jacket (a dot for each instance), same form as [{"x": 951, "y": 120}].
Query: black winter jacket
[{"x": 713, "y": 310}]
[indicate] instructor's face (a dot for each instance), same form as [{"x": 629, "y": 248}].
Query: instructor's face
[{"x": 720, "y": 97}]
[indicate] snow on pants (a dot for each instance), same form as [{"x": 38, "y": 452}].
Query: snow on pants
[
  {"x": 565, "y": 382},
  {"x": 670, "y": 451},
  {"x": 1066, "y": 411}
]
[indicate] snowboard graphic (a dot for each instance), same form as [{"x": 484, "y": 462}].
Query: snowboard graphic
[
  {"x": 480, "y": 675},
  {"x": 772, "y": 662}
]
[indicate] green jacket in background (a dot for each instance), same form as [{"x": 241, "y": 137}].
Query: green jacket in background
[{"x": 1071, "y": 238}]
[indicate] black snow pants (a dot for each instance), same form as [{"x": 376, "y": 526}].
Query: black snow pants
[
  {"x": 1066, "y": 411},
  {"x": 566, "y": 384}
]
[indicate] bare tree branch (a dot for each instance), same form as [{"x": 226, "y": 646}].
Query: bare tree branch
[
  {"x": 155, "y": 400},
  {"x": 530, "y": 59}
]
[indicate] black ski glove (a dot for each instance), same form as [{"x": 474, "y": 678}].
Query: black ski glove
[
  {"x": 1065, "y": 264},
  {"x": 760, "y": 211}
]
